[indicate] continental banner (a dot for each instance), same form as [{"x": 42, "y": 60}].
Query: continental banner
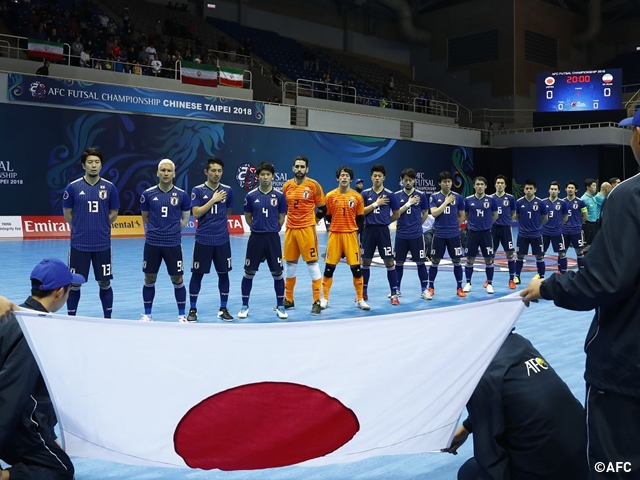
[
  {"x": 127, "y": 226},
  {"x": 101, "y": 96}
]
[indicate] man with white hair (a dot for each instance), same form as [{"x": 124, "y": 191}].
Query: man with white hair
[{"x": 165, "y": 211}]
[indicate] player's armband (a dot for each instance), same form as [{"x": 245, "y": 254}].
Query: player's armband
[{"x": 584, "y": 210}]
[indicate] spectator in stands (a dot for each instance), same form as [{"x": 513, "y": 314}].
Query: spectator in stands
[
  {"x": 76, "y": 50},
  {"x": 501, "y": 129},
  {"x": 44, "y": 69},
  {"x": 156, "y": 67},
  {"x": 85, "y": 59},
  {"x": 392, "y": 82},
  {"x": 359, "y": 185}
]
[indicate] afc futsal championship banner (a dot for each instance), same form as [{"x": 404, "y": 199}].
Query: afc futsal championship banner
[{"x": 100, "y": 96}]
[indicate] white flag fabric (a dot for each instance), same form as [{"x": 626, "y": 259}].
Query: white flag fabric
[{"x": 253, "y": 396}]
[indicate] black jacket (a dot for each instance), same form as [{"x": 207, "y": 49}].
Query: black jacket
[
  {"x": 526, "y": 423},
  {"x": 24, "y": 400},
  {"x": 610, "y": 284}
]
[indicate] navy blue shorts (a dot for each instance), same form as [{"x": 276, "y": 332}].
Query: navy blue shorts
[
  {"x": 502, "y": 234},
  {"x": 523, "y": 245},
  {"x": 261, "y": 247},
  {"x": 153, "y": 257},
  {"x": 80, "y": 262},
  {"x": 376, "y": 236},
  {"x": 575, "y": 240},
  {"x": 413, "y": 245},
  {"x": 452, "y": 245},
  {"x": 556, "y": 242},
  {"x": 203, "y": 255},
  {"x": 480, "y": 239}
]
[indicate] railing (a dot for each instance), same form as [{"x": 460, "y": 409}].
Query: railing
[
  {"x": 556, "y": 128},
  {"x": 439, "y": 96},
  {"x": 233, "y": 57},
  {"x": 7, "y": 48},
  {"x": 498, "y": 118},
  {"x": 246, "y": 82},
  {"x": 340, "y": 93}
]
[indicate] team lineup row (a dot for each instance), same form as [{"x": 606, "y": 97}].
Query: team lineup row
[{"x": 358, "y": 224}]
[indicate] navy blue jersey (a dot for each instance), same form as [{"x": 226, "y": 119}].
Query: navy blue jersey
[
  {"x": 212, "y": 226},
  {"x": 530, "y": 215},
  {"x": 506, "y": 207},
  {"x": 480, "y": 212},
  {"x": 574, "y": 210},
  {"x": 265, "y": 208},
  {"x": 409, "y": 225},
  {"x": 446, "y": 224},
  {"x": 91, "y": 204},
  {"x": 557, "y": 210},
  {"x": 165, "y": 213},
  {"x": 382, "y": 214}
]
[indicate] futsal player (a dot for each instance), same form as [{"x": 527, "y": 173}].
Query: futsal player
[
  {"x": 447, "y": 207},
  {"x": 345, "y": 212},
  {"x": 305, "y": 208},
  {"x": 211, "y": 205},
  {"x": 90, "y": 205},
  {"x": 532, "y": 214},
  {"x": 501, "y": 230},
  {"x": 552, "y": 230},
  {"x": 413, "y": 211},
  {"x": 381, "y": 208},
  {"x": 165, "y": 211},
  {"x": 481, "y": 211},
  {"x": 265, "y": 209},
  {"x": 572, "y": 229}
]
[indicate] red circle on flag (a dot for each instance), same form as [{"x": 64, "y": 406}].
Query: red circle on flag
[
  {"x": 549, "y": 80},
  {"x": 263, "y": 425}
]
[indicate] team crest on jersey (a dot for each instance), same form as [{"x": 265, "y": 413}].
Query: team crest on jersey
[
  {"x": 174, "y": 201},
  {"x": 306, "y": 193},
  {"x": 352, "y": 202},
  {"x": 196, "y": 265},
  {"x": 102, "y": 194},
  {"x": 65, "y": 195},
  {"x": 142, "y": 200},
  {"x": 505, "y": 203},
  {"x": 557, "y": 206},
  {"x": 535, "y": 207},
  {"x": 274, "y": 202},
  {"x": 486, "y": 205}
]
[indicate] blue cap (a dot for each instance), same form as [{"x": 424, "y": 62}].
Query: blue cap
[
  {"x": 359, "y": 180},
  {"x": 635, "y": 120},
  {"x": 54, "y": 273}
]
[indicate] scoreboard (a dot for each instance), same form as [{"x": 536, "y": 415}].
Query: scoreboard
[{"x": 579, "y": 91}]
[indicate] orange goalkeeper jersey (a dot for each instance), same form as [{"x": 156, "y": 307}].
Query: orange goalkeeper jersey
[
  {"x": 343, "y": 208},
  {"x": 302, "y": 201}
]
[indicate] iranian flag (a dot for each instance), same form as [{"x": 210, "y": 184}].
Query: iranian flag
[
  {"x": 198, "y": 74},
  {"x": 231, "y": 77},
  {"x": 45, "y": 49}
]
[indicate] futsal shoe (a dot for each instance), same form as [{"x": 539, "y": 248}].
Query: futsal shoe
[
  {"x": 244, "y": 312},
  {"x": 289, "y": 304},
  {"x": 425, "y": 295},
  {"x": 461, "y": 293},
  {"x": 146, "y": 318},
  {"x": 224, "y": 314},
  {"x": 362, "y": 305},
  {"x": 399, "y": 294},
  {"x": 490, "y": 289},
  {"x": 324, "y": 303},
  {"x": 467, "y": 288},
  {"x": 516, "y": 280},
  {"x": 486, "y": 282},
  {"x": 281, "y": 313},
  {"x": 183, "y": 319},
  {"x": 193, "y": 315},
  {"x": 316, "y": 308},
  {"x": 431, "y": 291},
  {"x": 395, "y": 300},
  {"x": 512, "y": 285}
]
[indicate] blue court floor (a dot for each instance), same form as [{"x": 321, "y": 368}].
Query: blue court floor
[{"x": 558, "y": 334}]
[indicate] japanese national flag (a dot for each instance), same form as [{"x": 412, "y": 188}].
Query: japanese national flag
[{"x": 254, "y": 396}]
